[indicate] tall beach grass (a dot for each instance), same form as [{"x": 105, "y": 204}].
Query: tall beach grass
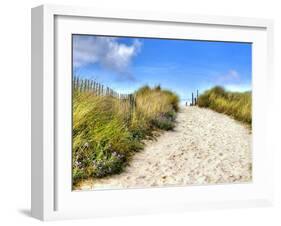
[
  {"x": 236, "y": 104},
  {"x": 107, "y": 131}
]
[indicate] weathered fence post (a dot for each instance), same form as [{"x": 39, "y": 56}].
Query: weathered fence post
[
  {"x": 91, "y": 86},
  {"x": 87, "y": 85},
  {"x": 94, "y": 88},
  {"x": 81, "y": 85},
  {"x": 98, "y": 89}
]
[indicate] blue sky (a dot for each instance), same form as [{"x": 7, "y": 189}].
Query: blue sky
[{"x": 125, "y": 64}]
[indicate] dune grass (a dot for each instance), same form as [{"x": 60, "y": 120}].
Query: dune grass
[
  {"x": 108, "y": 131},
  {"x": 236, "y": 104}
]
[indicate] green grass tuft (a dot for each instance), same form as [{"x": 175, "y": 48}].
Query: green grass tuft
[
  {"x": 107, "y": 131},
  {"x": 236, "y": 104}
]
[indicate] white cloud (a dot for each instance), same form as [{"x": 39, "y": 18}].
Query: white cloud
[
  {"x": 232, "y": 81},
  {"x": 106, "y": 51},
  {"x": 232, "y": 76}
]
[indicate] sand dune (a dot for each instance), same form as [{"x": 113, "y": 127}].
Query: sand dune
[{"x": 205, "y": 148}]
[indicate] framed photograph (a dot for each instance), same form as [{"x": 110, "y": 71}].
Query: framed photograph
[{"x": 138, "y": 112}]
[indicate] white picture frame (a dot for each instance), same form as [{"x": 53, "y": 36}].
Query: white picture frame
[{"x": 52, "y": 197}]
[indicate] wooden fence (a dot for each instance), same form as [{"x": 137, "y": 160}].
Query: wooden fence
[
  {"x": 194, "y": 99},
  {"x": 87, "y": 85}
]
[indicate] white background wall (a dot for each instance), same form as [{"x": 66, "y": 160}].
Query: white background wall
[{"x": 15, "y": 111}]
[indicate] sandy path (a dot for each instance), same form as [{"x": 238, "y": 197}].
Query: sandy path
[{"x": 205, "y": 147}]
